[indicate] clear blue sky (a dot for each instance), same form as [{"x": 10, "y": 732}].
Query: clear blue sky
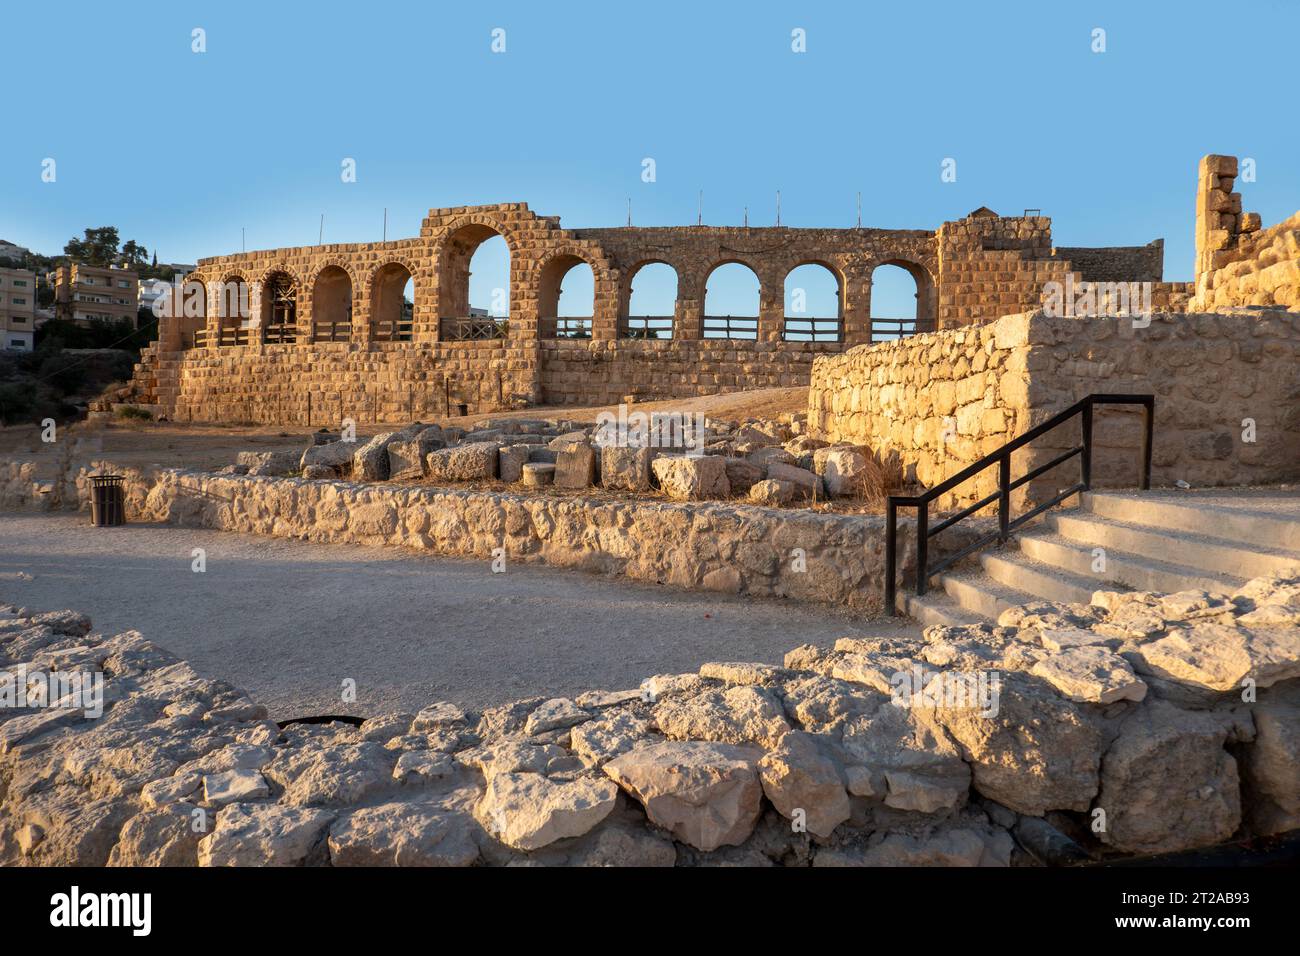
[{"x": 179, "y": 150}]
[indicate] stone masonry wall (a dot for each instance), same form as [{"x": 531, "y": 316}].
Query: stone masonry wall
[
  {"x": 597, "y": 373},
  {"x": 939, "y": 402},
  {"x": 343, "y": 348},
  {"x": 1237, "y": 262},
  {"x": 739, "y": 549}
]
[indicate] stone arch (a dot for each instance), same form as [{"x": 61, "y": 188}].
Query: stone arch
[
  {"x": 720, "y": 321},
  {"x": 660, "y": 325},
  {"x": 887, "y": 327},
  {"x": 332, "y": 286},
  {"x": 455, "y": 248},
  {"x": 799, "y": 324},
  {"x": 390, "y": 320},
  {"x": 231, "y": 306},
  {"x": 549, "y": 275},
  {"x": 279, "y": 294}
]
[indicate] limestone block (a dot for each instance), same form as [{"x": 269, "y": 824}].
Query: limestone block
[
  {"x": 625, "y": 469},
  {"x": 510, "y": 462},
  {"x": 575, "y": 466},
  {"x": 463, "y": 462},
  {"x": 538, "y": 474},
  {"x": 808, "y": 484},
  {"x": 687, "y": 478}
]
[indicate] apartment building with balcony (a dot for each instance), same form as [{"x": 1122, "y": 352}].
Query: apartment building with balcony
[
  {"x": 83, "y": 293},
  {"x": 17, "y": 308}
]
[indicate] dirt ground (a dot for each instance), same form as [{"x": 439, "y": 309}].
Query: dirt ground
[
  {"x": 289, "y": 621},
  {"x": 205, "y": 447}
]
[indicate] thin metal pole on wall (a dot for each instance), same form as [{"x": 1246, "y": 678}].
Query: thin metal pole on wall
[
  {"x": 859, "y": 210},
  {"x": 699, "y": 213},
  {"x": 320, "y": 239},
  {"x": 778, "y": 207},
  {"x": 385, "y": 224}
]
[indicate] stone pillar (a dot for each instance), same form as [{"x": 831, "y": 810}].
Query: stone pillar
[
  {"x": 771, "y": 311},
  {"x": 1218, "y": 209},
  {"x": 855, "y": 315}
]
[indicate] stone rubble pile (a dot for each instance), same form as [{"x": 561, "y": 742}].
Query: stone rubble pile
[
  {"x": 772, "y": 463},
  {"x": 1137, "y": 724}
]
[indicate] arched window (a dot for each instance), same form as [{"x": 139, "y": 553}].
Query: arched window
[
  {"x": 731, "y": 302},
  {"x": 234, "y": 312},
  {"x": 189, "y": 310},
  {"x": 279, "y": 309},
  {"x": 331, "y": 306},
  {"x": 895, "y": 300},
  {"x": 813, "y": 305},
  {"x": 567, "y": 298},
  {"x": 392, "y": 304},
  {"x": 474, "y": 287},
  {"x": 651, "y": 302}
]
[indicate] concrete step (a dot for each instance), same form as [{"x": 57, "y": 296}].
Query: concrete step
[
  {"x": 1133, "y": 570},
  {"x": 936, "y": 607},
  {"x": 981, "y": 595},
  {"x": 1234, "y": 520},
  {"x": 1017, "y": 570},
  {"x": 1212, "y": 556}
]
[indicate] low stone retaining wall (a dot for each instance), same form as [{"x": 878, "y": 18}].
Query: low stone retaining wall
[
  {"x": 1138, "y": 724},
  {"x": 741, "y": 549},
  {"x": 1227, "y": 390}
]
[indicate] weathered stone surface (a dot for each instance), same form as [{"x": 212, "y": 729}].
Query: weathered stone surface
[
  {"x": 806, "y": 483},
  {"x": 370, "y": 462},
  {"x": 336, "y": 456},
  {"x": 575, "y": 466},
  {"x": 1039, "y": 752},
  {"x": 801, "y": 780},
  {"x": 554, "y": 714},
  {"x": 403, "y": 834},
  {"x": 598, "y": 741},
  {"x": 734, "y": 715},
  {"x": 163, "y": 836},
  {"x": 687, "y": 478},
  {"x": 706, "y": 794},
  {"x": 773, "y": 494},
  {"x": 1167, "y": 782},
  {"x": 406, "y": 456},
  {"x": 528, "y": 811},
  {"x": 902, "y": 756},
  {"x": 250, "y": 834},
  {"x": 331, "y": 775},
  {"x": 463, "y": 462},
  {"x": 538, "y": 474},
  {"x": 742, "y": 475},
  {"x": 1092, "y": 674},
  {"x": 510, "y": 462},
  {"x": 844, "y": 470},
  {"x": 234, "y": 786},
  {"x": 1272, "y": 766},
  {"x": 625, "y": 468}
]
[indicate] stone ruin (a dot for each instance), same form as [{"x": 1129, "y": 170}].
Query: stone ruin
[
  {"x": 314, "y": 334},
  {"x": 1138, "y": 724}
]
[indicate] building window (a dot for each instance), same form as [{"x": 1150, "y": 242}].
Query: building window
[
  {"x": 18, "y": 301},
  {"x": 123, "y": 284},
  {"x": 21, "y": 282}
]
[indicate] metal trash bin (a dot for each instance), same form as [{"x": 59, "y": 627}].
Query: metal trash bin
[{"x": 107, "y": 500}]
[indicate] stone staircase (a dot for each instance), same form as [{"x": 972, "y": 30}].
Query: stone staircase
[{"x": 1152, "y": 541}]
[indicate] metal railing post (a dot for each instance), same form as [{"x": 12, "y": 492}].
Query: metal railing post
[
  {"x": 922, "y": 546},
  {"x": 1085, "y": 459},
  {"x": 891, "y": 541},
  {"x": 1004, "y": 498},
  {"x": 1148, "y": 428}
]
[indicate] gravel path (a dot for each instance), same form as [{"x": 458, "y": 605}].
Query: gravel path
[{"x": 289, "y": 620}]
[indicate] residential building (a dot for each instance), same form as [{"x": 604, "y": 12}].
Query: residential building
[
  {"x": 83, "y": 293},
  {"x": 17, "y": 308}
]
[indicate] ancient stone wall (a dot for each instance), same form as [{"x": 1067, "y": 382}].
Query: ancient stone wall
[
  {"x": 277, "y": 335},
  {"x": 1117, "y": 263},
  {"x": 595, "y": 373},
  {"x": 968, "y": 746},
  {"x": 1238, "y": 263},
  {"x": 941, "y": 401}
]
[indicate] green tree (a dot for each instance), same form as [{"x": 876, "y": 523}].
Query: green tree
[
  {"x": 135, "y": 254},
  {"x": 97, "y": 248}
]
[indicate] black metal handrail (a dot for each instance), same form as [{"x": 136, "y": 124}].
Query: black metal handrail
[
  {"x": 1006, "y": 523},
  {"x": 812, "y": 330}
]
